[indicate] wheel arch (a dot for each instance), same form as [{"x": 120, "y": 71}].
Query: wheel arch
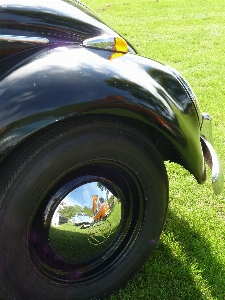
[{"x": 163, "y": 145}]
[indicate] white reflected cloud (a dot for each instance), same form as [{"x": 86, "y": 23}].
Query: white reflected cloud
[
  {"x": 82, "y": 196},
  {"x": 70, "y": 201},
  {"x": 87, "y": 195}
]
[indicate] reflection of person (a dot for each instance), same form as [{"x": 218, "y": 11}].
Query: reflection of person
[{"x": 55, "y": 218}]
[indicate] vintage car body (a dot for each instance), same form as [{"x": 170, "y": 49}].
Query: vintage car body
[
  {"x": 36, "y": 40},
  {"x": 59, "y": 62}
]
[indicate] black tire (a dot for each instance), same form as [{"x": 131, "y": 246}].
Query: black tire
[{"x": 48, "y": 168}]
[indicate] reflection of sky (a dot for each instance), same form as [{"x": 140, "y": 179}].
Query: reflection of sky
[{"x": 82, "y": 196}]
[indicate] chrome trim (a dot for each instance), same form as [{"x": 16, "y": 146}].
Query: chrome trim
[
  {"x": 206, "y": 128},
  {"x": 213, "y": 161},
  {"x": 23, "y": 39},
  {"x": 102, "y": 42}
]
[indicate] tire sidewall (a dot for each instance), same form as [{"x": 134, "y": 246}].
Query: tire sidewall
[{"x": 42, "y": 169}]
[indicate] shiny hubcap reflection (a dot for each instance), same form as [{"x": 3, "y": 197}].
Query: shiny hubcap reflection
[
  {"x": 85, "y": 222},
  {"x": 100, "y": 232}
]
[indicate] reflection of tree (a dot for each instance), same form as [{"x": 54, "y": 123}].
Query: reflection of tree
[
  {"x": 87, "y": 210},
  {"x": 71, "y": 211},
  {"x": 103, "y": 188},
  {"x": 151, "y": 98},
  {"x": 173, "y": 87},
  {"x": 76, "y": 30},
  {"x": 108, "y": 199}
]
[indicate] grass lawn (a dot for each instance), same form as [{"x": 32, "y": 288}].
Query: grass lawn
[
  {"x": 71, "y": 241},
  {"x": 189, "y": 35}
]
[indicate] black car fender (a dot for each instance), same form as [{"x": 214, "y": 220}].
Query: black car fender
[{"x": 74, "y": 81}]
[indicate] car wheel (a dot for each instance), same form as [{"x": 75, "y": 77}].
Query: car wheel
[{"x": 57, "y": 163}]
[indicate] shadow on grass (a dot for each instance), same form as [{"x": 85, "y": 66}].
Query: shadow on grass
[
  {"x": 182, "y": 266},
  {"x": 189, "y": 272},
  {"x": 199, "y": 253}
]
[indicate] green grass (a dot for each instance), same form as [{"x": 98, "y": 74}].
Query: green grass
[
  {"x": 70, "y": 242},
  {"x": 189, "y": 35}
]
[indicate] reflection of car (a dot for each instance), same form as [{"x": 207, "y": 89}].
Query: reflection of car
[
  {"x": 82, "y": 219},
  {"x": 78, "y": 105},
  {"x": 62, "y": 219}
]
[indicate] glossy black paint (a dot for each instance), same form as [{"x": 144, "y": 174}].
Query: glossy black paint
[
  {"x": 63, "y": 79},
  {"x": 62, "y": 23}
]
